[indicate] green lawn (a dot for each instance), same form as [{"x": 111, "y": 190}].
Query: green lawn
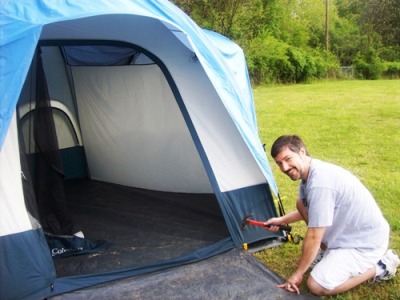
[{"x": 355, "y": 124}]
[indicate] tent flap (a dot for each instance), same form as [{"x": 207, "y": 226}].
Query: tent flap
[
  {"x": 255, "y": 200},
  {"x": 25, "y": 258}
]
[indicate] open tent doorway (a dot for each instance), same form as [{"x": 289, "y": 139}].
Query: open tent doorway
[{"x": 127, "y": 132}]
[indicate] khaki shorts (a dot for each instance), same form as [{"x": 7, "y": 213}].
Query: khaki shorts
[{"x": 339, "y": 265}]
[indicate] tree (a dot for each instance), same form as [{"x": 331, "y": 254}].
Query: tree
[
  {"x": 384, "y": 18},
  {"x": 222, "y": 16},
  {"x": 344, "y": 41}
]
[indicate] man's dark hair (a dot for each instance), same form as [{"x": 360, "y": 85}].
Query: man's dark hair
[{"x": 293, "y": 142}]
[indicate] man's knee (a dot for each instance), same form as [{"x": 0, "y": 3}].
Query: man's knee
[{"x": 315, "y": 288}]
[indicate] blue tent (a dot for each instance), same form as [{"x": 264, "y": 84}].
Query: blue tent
[{"x": 141, "y": 97}]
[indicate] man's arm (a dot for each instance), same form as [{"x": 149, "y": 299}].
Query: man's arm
[{"x": 311, "y": 244}]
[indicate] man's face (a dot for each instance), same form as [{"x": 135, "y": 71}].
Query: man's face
[{"x": 295, "y": 165}]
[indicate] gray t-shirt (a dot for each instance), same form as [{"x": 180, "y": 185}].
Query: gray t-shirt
[{"x": 337, "y": 200}]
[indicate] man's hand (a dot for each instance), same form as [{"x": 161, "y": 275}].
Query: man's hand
[
  {"x": 311, "y": 244},
  {"x": 291, "y": 217},
  {"x": 292, "y": 284},
  {"x": 272, "y": 223}
]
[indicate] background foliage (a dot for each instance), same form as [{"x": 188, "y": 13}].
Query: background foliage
[
  {"x": 351, "y": 123},
  {"x": 285, "y": 41}
]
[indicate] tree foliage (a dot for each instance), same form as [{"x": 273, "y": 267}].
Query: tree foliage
[
  {"x": 384, "y": 18},
  {"x": 285, "y": 40}
]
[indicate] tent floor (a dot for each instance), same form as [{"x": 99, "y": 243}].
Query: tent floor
[
  {"x": 235, "y": 274},
  {"x": 143, "y": 226}
]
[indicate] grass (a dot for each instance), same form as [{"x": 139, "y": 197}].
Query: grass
[{"x": 355, "y": 124}]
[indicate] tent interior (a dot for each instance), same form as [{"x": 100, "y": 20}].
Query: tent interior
[
  {"x": 104, "y": 135},
  {"x": 144, "y": 227}
]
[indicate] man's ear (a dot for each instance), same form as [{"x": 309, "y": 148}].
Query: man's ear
[{"x": 302, "y": 151}]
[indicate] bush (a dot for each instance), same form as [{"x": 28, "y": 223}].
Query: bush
[
  {"x": 368, "y": 65},
  {"x": 391, "y": 69},
  {"x": 267, "y": 61},
  {"x": 311, "y": 64},
  {"x": 391, "y": 53},
  {"x": 302, "y": 66},
  {"x": 273, "y": 61}
]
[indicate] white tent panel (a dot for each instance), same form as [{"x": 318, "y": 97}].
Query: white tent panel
[
  {"x": 133, "y": 131},
  {"x": 223, "y": 144},
  {"x": 13, "y": 215}
]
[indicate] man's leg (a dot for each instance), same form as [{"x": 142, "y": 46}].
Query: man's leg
[
  {"x": 343, "y": 269},
  {"x": 352, "y": 282}
]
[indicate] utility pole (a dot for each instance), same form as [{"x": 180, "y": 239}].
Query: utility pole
[{"x": 327, "y": 25}]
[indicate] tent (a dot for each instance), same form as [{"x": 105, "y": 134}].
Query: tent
[{"x": 123, "y": 120}]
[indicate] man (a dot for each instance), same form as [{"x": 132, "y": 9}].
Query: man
[{"x": 346, "y": 229}]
